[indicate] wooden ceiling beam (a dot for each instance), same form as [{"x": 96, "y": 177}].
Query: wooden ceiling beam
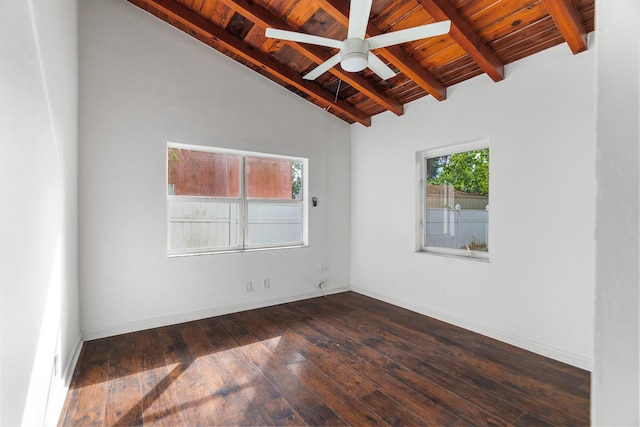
[
  {"x": 466, "y": 37},
  {"x": 339, "y": 10},
  {"x": 203, "y": 26},
  {"x": 569, "y": 23},
  {"x": 265, "y": 19}
]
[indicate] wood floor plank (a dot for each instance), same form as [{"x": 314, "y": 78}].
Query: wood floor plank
[
  {"x": 521, "y": 391},
  {"x": 349, "y": 408},
  {"x": 279, "y": 412},
  {"x": 250, "y": 417},
  {"x": 467, "y": 401},
  {"x": 344, "y": 359},
  {"x": 350, "y": 381},
  {"x": 192, "y": 393},
  {"x": 460, "y": 397},
  {"x": 124, "y": 400},
  {"x": 389, "y": 411},
  {"x": 209, "y": 370},
  {"x": 428, "y": 410},
  {"x": 518, "y": 387},
  {"x": 434, "y": 404},
  {"x": 246, "y": 386},
  {"x": 234, "y": 395},
  {"x": 237, "y": 386},
  {"x": 88, "y": 393},
  {"x": 310, "y": 407},
  {"x": 518, "y": 390},
  {"x": 159, "y": 402},
  {"x": 452, "y": 336},
  {"x": 528, "y": 420}
]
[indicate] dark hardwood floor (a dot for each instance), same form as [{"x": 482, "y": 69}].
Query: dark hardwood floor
[{"x": 345, "y": 359}]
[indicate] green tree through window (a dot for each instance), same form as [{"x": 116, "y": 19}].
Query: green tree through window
[
  {"x": 467, "y": 171},
  {"x": 455, "y": 200},
  {"x": 296, "y": 181}
]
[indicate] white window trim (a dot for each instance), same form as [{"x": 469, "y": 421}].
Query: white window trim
[
  {"x": 421, "y": 202},
  {"x": 242, "y": 200}
]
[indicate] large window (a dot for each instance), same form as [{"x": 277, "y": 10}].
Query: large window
[
  {"x": 226, "y": 200},
  {"x": 454, "y": 200}
]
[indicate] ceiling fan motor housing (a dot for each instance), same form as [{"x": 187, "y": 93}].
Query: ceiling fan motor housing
[{"x": 354, "y": 54}]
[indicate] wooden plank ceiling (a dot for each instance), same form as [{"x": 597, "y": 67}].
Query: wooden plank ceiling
[{"x": 485, "y": 35}]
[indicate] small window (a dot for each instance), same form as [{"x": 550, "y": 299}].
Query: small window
[
  {"x": 454, "y": 196},
  {"x": 225, "y": 200}
]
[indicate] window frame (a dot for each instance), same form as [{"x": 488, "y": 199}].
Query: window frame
[
  {"x": 242, "y": 200},
  {"x": 421, "y": 199}
]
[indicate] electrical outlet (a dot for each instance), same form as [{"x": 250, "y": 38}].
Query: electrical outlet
[
  {"x": 267, "y": 283},
  {"x": 249, "y": 286}
]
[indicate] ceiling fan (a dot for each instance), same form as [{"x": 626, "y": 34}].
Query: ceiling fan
[{"x": 355, "y": 51}]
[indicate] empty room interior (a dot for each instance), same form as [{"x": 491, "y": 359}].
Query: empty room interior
[{"x": 427, "y": 213}]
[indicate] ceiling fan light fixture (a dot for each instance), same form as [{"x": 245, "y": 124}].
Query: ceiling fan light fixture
[
  {"x": 354, "y": 62},
  {"x": 354, "y": 55}
]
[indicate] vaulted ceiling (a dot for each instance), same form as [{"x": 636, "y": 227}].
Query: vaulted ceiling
[{"x": 484, "y": 36}]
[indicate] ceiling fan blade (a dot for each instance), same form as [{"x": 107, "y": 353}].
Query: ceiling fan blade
[
  {"x": 358, "y": 18},
  {"x": 409, "y": 35},
  {"x": 301, "y": 38},
  {"x": 380, "y": 68},
  {"x": 323, "y": 68}
]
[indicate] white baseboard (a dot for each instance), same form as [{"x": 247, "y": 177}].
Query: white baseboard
[
  {"x": 67, "y": 374},
  {"x": 535, "y": 347},
  {"x": 123, "y": 328}
]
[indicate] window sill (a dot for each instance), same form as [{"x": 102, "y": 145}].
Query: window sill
[
  {"x": 483, "y": 259},
  {"x": 235, "y": 251}
]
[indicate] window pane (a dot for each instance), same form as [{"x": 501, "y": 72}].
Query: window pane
[
  {"x": 203, "y": 224},
  {"x": 271, "y": 223},
  {"x": 273, "y": 179},
  {"x": 232, "y": 200},
  {"x": 200, "y": 173},
  {"x": 457, "y": 195}
]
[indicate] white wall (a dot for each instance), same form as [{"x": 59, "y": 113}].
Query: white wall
[
  {"x": 616, "y": 379},
  {"x": 38, "y": 217},
  {"x": 537, "y": 290},
  {"x": 143, "y": 83}
]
